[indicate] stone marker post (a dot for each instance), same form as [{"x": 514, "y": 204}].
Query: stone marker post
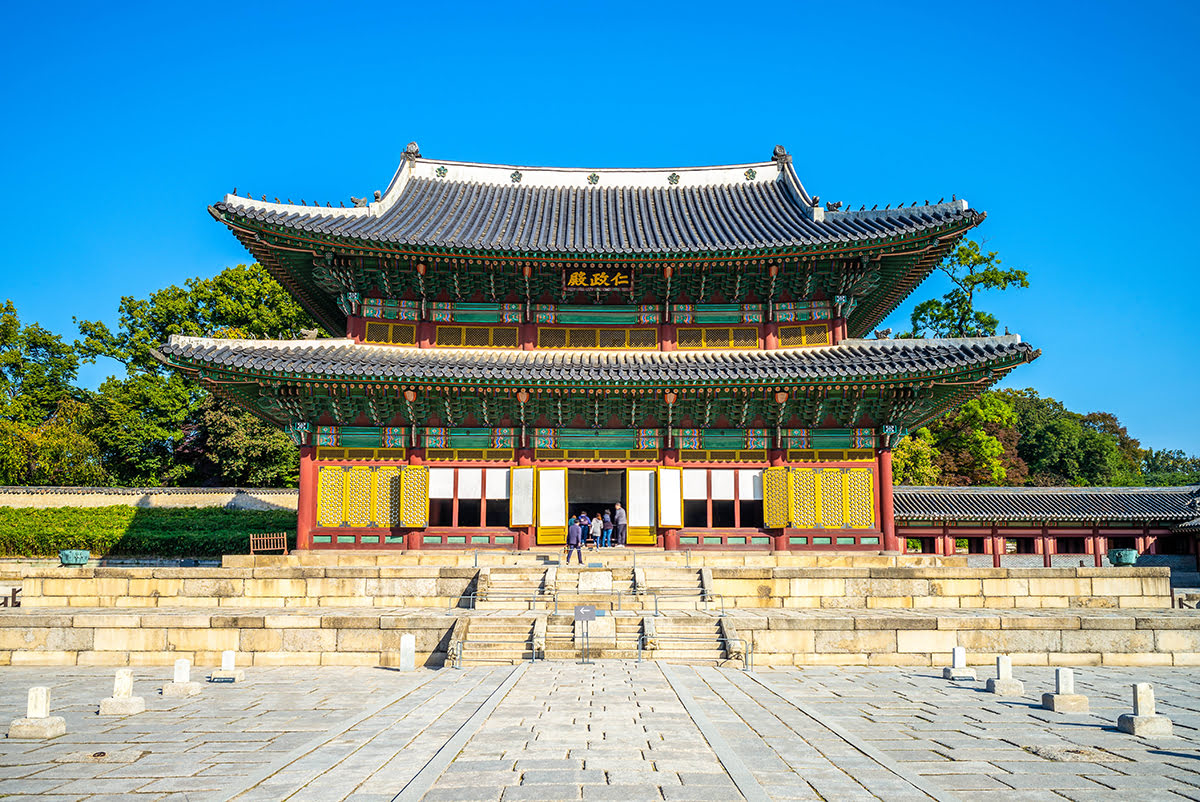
[
  {"x": 958, "y": 666},
  {"x": 38, "y": 723},
  {"x": 123, "y": 702},
  {"x": 408, "y": 652},
  {"x": 1004, "y": 684},
  {"x": 1064, "y": 699},
  {"x": 1144, "y": 722},
  {"x": 229, "y": 672},
  {"x": 182, "y": 685}
]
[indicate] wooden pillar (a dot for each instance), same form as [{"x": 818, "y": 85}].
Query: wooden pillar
[
  {"x": 837, "y": 330},
  {"x": 997, "y": 546},
  {"x": 425, "y": 334},
  {"x": 776, "y": 457},
  {"x": 887, "y": 514},
  {"x": 1097, "y": 547},
  {"x": 306, "y": 509},
  {"x": 1048, "y": 549},
  {"x": 666, "y": 337},
  {"x": 770, "y": 335},
  {"x": 528, "y": 334}
]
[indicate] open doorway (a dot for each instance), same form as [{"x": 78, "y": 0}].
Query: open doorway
[{"x": 594, "y": 491}]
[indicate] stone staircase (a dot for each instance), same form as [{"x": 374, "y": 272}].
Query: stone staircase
[
  {"x": 689, "y": 640},
  {"x": 677, "y": 588},
  {"x": 497, "y": 640},
  {"x": 511, "y": 588}
]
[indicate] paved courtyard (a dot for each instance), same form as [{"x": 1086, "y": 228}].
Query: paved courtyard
[{"x": 612, "y": 730}]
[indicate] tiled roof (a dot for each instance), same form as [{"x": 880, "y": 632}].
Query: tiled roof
[
  {"x": 1164, "y": 504},
  {"x": 461, "y": 205},
  {"x": 1189, "y": 526},
  {"x": 850, "y": 360}
]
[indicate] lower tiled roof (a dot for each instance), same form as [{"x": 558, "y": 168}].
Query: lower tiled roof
[
  {"x": 850, "y": 360},
  {"x": 1160, "y": 504}
]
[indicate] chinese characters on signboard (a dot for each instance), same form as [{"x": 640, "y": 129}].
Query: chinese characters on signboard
[{"x": 598, "y": 278}]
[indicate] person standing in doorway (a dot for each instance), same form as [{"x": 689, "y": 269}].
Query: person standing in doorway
[
  {"x": 585, "y": 526},
  {"x": 607, "y": 527},
  {"x": 596, "y": 531},
  {"x": 621, "y": 520},
  {"x": 574, "y": 539}
]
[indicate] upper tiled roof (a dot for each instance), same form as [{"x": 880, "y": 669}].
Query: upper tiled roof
[
  {"x": 850, "y": 360},
  {"x": 479, "y": 207},
  {"x": 1163, "y": 504}
]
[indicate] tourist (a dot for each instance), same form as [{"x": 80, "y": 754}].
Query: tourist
[
  {"x": 585, "y": 526},
  {"x": 607, "y": 526},
  {"x": 596, "y": 530},
  {"x": 621, "y": 521},
  {"x": 574, "y": 538}
]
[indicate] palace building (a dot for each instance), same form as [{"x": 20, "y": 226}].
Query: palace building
[{"x": 511, "y": 345}]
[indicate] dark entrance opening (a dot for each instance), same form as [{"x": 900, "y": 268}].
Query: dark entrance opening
[{"x": 594, "y": 491}]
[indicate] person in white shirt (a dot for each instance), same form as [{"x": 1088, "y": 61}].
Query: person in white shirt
[{"x": 596, "y": 526}]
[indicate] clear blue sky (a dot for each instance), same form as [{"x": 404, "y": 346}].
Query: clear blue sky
[{"x": 1074, "y": 125}]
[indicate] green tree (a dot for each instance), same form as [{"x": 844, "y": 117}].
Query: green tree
[
  {"x": 1170, "y": 468},
  {"x": 977, "y": 444},
  {"x": 915, "y": 460},
  {"x": 151, "y": 423},
  {"x": 57, "y": 451},
  {"x": 235, "y": 448},
  {"x": 970, "y": 271},
  {"x": 37, "y": 370}
]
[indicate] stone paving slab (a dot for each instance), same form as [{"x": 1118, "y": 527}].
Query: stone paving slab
[{"x": 611, "y": 730}]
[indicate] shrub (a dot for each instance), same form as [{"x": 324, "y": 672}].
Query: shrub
[{"x": 131, "y": 531}]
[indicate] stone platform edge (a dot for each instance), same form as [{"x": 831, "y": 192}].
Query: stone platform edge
[{"x": 104, "y": 637}]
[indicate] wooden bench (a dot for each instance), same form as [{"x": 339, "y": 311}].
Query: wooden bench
[
  {"x": 273, "y": 541},
  {"x": 7, "y": 600}
]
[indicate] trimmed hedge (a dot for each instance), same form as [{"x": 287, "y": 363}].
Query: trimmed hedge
[{"x": 132, "y": 531}]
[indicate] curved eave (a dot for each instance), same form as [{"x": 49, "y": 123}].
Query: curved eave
[{"x": 953, "y": 375}]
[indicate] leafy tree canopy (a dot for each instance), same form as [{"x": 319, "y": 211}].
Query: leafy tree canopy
[
  {"x": 153, "y": 425},
  {"x": 57, "y": 451},
  {"x": 915, "y": 460},
  {"x": 37, "y": 370},
  {"x": 971, "y": 271}
]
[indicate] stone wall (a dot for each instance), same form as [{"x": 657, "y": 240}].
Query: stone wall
[
  {"x": 114, "y": 638},
  {"x": 943, "y": 587},
  {"x": 779, "y": 637},
  {"x": 1078, "y": 638},
  {"x": 233, "y": 498}
]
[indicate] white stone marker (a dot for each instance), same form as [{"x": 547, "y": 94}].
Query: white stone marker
[
  {"x": 408, "y": 652},
  {"x": 1064, "y": 699},
  {"x": 38, "y": 723},
  {"x": 1144, "y": 722},
  {"x": 1004, "y": 684},
  {"x": 182, "y": 684},
  {"x": 958, "y": 666},
  {"x": 229, "y": 672},
  {"x": 123, "y": 702}
]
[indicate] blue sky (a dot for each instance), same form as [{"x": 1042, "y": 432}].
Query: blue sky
[{"x": 1073, "y": 125}]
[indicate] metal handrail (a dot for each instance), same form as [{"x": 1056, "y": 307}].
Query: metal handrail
[
  {"x": 747, "y": 647},
  {"x": 540, "y": 595},
  {"x": 460, "y": 645}
]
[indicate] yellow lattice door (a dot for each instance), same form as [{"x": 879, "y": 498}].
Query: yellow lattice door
[
  {"x": 804, "y": 498},
  {"x": 358, "y": 497},
  {"x": 832, "y": 494},
  {"x": 775, "y": 498},
  {"x": 860, "y": 498},
  {"x": 330, "y": 483},
  {"x": 387, "y": 496},
  {"x": 414, "y": 496}
]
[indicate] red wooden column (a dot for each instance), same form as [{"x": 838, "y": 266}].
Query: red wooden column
[
  {"x": 887, "y": 512},
  {"x": 666, "y": 337},
  {"x": 770, "y": 336},
  {"x": 670, "y": 537},
  {"x": 306, "y": 509}
]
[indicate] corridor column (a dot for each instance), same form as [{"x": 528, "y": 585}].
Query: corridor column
[
  {"x": 887, "y": 515},
  {"x": 306, "y": 511}
]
